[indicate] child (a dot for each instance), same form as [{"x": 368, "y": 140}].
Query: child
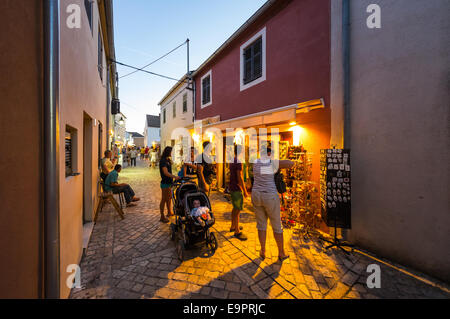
[{"x": 201, "y": 213}]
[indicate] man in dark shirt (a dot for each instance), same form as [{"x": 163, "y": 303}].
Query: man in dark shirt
[
  {"x": 112, "y": 185},
  {"x": 238, "y": 192}
]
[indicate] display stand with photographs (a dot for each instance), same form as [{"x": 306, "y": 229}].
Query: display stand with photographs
[{"x": 335, "y": 186}]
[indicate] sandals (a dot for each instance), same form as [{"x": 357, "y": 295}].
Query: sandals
[
  {"x": 165, "y": 220},
  {"x": 240, "y": 228},
  {"x": 283, "y": 258},
  {"x": 262, "y": 256},
  {"x": 240, "y": 236}
]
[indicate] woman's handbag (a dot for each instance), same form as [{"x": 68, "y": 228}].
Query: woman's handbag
[{"x": 279, "y": 182}]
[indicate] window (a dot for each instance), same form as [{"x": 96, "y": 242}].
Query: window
[
  {"x": 185, "y": 103},
  {"x": 70, "y": 151},
  {"x": 88, "y": 7},
  {"x": 206, "y": 89},
  {"x": 164, "y": 116},
  {"x": 100, "y": 54},
  {"x": 174, "y": 106},
  {"x": 253, "y": 60}
]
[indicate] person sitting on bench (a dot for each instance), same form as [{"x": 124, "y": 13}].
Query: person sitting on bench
[
  {"x": 107, "y": 165},
  {"x": 111, "y": 185}
]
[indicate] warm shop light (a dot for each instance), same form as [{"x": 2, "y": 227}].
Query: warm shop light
[
  {"x": 210, "y": 136},
  {"x": 297, "y": 132},
  {"x": 293, "y": 123},
  {"x": 239, "y": 137},
  {"x": 196, "y": 137}
]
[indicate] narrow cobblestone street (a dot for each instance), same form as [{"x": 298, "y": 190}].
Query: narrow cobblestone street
[{"x": 134, "y": 258}]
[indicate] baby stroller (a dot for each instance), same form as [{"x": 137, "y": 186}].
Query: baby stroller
[{"x": 187, "y": 231}]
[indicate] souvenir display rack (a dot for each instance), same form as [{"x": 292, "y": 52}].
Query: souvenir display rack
[
  {"x": 335, "y": 185},
  {"x": 300, "y": 207}
]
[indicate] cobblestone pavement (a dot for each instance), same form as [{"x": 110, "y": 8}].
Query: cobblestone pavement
[{"x": 134, "y": 258}]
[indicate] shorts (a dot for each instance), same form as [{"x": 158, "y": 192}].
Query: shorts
[
  {"x": 237, "y": 199},
  {"x": 267, "y": 206},
  {"x": 163, "y": 186}
]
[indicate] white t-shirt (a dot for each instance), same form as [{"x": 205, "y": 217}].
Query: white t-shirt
[
  {"x": 133, "y": 153},
  {"x": 263, "y": 174}
]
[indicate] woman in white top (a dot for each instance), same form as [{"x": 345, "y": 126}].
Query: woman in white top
[
  {"x": 266, "y": 201},
  {"x": 153, "y": 157}
]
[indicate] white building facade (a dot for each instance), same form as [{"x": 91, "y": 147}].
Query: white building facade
[
  {"x": 152, "y": 130},
  {"x": 177, "y": 111}
]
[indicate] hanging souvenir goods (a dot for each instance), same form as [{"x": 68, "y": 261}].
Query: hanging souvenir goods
[
  {"x": 301, "y": 202},
  {"x": 335, "y": 186}
]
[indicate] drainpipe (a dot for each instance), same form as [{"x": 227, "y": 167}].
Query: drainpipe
[
  {"x": 193, "y": 98},
  {"x": 108, "y": 104},
  {"x": 51, "y": 149},
  {"x": 346, "y": 67}
]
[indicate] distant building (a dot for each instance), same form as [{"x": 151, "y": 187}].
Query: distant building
[
  {"x": 136, "y": 139},
  {"x": 152, "y": 131}
]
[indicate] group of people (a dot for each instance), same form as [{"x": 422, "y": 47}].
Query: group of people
[
  {"x": 264, "y": 194},
  {"x": 130, "y": 154}
]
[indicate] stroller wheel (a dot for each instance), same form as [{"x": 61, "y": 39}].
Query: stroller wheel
[
  {"x": 212, "y": 241},
  {"x": 180, "y": 250},
  {"x": 173, "y": 231}
]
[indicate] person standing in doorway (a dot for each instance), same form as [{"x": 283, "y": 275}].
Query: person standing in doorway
[
  {"x": 165, "y": 170},
  {"x": 266, "y": 201},
  {"x": 237, "y": 191}
]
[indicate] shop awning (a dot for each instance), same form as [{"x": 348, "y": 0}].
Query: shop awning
[{"x": 279, "y": 115}]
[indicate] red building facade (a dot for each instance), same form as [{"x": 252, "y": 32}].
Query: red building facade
[
  {"x": 297, "y": 62},
  {"x": 286, "y": 44}
]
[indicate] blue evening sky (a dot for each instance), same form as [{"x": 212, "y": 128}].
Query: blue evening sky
[{"x": 147, "y": 29}]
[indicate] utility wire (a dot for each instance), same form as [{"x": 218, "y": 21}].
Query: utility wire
[
  {"x": 141, "y": 69},
  {"x": 152, "y": 73}
]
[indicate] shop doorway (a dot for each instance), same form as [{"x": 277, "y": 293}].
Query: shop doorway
[{"x": 87, "y": 169}]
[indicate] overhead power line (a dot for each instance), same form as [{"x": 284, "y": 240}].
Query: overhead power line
[
  {"x": 145, "y": 71},
  {"x": 145, "y": 66}
]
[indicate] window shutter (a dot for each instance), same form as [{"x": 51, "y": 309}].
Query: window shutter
[
  {"x": 206, "y": 90},
  {"x": 184, "y": 103},
  {"x": 68, "y": 154},
  {"x": 88, "y": 7},
  {"x": 253, "y": 61},
  {"x": 100, "y": 54}
]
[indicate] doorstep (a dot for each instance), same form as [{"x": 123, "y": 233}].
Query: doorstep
[{"x": 87, "y": 232}]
